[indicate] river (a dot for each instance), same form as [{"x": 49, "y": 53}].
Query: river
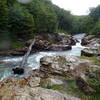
[{"x": 34, "y": 59}]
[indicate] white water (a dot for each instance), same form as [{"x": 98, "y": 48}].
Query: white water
[{"x": 33, "y": 60}]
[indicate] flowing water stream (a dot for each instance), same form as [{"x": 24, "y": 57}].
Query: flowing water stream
[{"x": 34, "y": 59}]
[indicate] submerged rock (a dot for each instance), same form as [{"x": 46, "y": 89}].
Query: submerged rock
[{"x": 18, "y": 71}]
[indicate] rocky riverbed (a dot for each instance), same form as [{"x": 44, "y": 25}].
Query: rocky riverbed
[
  {"x": 54, "y": 71},
  {"x": 44, "y": 42},
  {"x": 57, "y": 77}
]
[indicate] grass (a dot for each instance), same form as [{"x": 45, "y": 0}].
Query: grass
[
  {"x": 72, "y": 89},
  {"x": 94, "y": 59},
  {"x": 17, "y": 45},
  {"x": 95, "y": 83},
  {"x": 96, "y": 38}
]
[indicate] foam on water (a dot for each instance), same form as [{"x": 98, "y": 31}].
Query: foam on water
[{"x": 34, "y": 60}]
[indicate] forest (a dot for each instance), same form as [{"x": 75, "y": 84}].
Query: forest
[{"x": 19, "y": 20}]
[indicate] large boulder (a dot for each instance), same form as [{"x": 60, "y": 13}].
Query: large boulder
[
  {"x": 62, "y": 65},
  {"x": 91, "y": 51},
  {"x": 28, "y": 89},
  {"x": 56, "y": 43},
  {"x": 87, "y": 40},
  {"x": 44, "y": 45},
  {"x": 37, "y": 93},
  {"x": 66, "y": 40}
]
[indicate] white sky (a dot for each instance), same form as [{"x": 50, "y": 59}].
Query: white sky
[{"x": 77, "y": 7}]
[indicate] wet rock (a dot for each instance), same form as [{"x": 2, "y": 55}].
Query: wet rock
[
  {"x": 18, "y": 52},
  {"x": 86, "y": 40},
  {"x": 91, "y": 51},
  {"x": 66, "y": 40},
  {"x": 57, "y": 43},
  {"x": 41, "y": 45},
  {"x": 54, "y": 47},
  {"x": 18, "y": 71}
]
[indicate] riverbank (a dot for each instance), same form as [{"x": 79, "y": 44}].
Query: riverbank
[
  {"x": 44, "y": 42},
  {"x": 7, "y": 63},
  {"x": 56, "y": 76}
]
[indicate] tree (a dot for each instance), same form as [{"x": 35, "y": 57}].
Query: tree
[
  {"x": 96, "y": 29},
  {"x": 95, "y": 13},
  {"x": 3, "y": 20},
  {"x": 21, "y": 23}
]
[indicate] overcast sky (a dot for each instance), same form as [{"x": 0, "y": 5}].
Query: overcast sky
[{"x": 77, "y": 7}]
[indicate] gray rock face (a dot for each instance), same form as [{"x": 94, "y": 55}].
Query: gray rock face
[
  {"x": 62, "y": 65},
  {"x": 24, "y": 89},
  {"x": 42, "y": 94},
  {"x": 91, "y": 51},
  {"x": 87, "y": 40},
  {"x": 55, "y": 47},
  {"x": 51, "y": 81}
]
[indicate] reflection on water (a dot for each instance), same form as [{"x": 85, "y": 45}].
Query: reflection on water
[{"x": 33, "y": 61}]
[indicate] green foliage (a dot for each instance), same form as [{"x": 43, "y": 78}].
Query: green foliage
[
  {"x": 21, "y": 23},
  {"x": 95, "y": 12},
  {"x": 19, "y": 20},
  {"x": 77, "y": 24},
  {"x": 96, "y": 29},
  {"x": 87, "y": 24},
  {"x": 17, "y": 45},
  {"x": 72, "y": 89},
  {"x": 95, "y": 83},
  {"x": 4, "y": 34},
  {"x": 56, "y": 87},
  {"x": 44, "y": 16},
  {"x": 94, "y": 21},
  {"x": 94, "y": 59},
  {"x": 64, "y": 19}
]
